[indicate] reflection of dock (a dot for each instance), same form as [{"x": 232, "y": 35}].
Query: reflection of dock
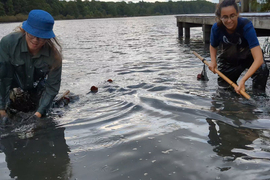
[{"x": 261, "y": 22}]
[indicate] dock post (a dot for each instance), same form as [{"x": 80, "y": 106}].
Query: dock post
[
  {"x": 180, "y": 29},
  {"x": 187, "y": 30},
  {"x": 245, "y": 7},
  {"x": 206, "y": 33}
]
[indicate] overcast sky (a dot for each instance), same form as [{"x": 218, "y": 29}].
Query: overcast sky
[{"x": 214, "y": 1}]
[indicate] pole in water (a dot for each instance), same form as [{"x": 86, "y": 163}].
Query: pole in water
[{"x": 223, "y": 76}]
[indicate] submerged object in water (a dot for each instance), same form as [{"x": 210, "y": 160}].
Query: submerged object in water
[
  {"x": 62, "y": 100},
  {"x": 203, "y": 75},
  {"x": 94, "y": 89}
]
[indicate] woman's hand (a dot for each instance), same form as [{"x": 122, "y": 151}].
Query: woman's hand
[
  {"x": 212, "y": 66},
  {"x": 38, "y": 114},
  {"x": 241, "y": 86},
  {"x": 3, "y": 113},
  {"x": 4, "y": 120}
]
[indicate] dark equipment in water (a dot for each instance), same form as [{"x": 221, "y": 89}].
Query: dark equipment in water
[
  {"x": 223, "y": 76},
  {"x": 94, "y": 89},
  {"x": 203, "y": 75}
]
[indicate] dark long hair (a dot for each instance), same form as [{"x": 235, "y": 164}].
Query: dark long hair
[{"x": 221, "y": 5}]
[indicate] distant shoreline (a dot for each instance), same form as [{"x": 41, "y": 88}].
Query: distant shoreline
[{"x": 21, "y": 18}]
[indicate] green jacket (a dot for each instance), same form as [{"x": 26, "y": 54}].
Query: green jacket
[{"x": 16, "y": 62}]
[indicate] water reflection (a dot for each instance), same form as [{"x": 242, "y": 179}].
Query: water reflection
[
  {"x": 232, "y": 133},
  {"x": 149, "y": 123},
  {"x": 196, "y": 44},
  {"x": 235, "y": 110},
  {"x": 225, "y": 138},
  {"x": 44, "y": 156}
]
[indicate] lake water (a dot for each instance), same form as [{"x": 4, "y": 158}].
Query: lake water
[{"x": 154, "y": 121}]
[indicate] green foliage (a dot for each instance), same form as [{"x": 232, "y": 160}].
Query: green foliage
[
  {"x": 20, "y": 6},
  {"x": 72, "y": 9},
  {"x": 9, "y": 7},
  {"x": 79, "y": 9},
  {"x": 17, "y": 18},
  {"x": 2, "y": 10},
  {"x": 259, "y": 5},
  {"x": 21, "y": 17}
]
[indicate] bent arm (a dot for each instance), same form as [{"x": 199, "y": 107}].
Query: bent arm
[
  {"x": 251, "y": 37},
  {"x": 258, "y": 61},
  {"x": 51, "y": 90},
  {"x": 213, "y": 54}
]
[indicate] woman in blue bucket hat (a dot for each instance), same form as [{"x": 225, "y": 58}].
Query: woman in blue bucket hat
[{"x": 30, "y": 67}]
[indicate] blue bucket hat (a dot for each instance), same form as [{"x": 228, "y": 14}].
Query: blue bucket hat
[{"x": 40, "y": 24}]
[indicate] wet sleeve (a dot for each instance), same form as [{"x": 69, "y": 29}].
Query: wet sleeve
[
  {"x": 250, "y": 35},
  {"x": 5, "y": 72},
  {"x": 214, "y": 36},
  {"x": 52, "y": 87}
]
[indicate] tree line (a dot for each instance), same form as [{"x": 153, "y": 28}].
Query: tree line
[
  {"x": 17, "y": 10},
  {"x": 260, "y": 5}
]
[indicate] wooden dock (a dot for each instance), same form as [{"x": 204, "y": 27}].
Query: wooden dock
[{"x": 261, "y": 22}]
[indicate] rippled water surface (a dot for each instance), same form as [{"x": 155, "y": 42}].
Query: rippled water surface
[{"x": 154, "y": 121}]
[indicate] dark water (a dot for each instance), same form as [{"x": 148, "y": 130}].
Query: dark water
[{"x": 154, "y": 121}]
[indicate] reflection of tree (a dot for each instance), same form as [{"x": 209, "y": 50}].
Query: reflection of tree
[
  {"x": 225, "y": 137},
  {"x": 228, "y": 137},
  {"x": 45, "y": 156},
  {"x": 234, "y": 110}
]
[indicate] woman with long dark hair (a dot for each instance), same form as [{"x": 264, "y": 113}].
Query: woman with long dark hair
[{"x": 240, "y": 49}]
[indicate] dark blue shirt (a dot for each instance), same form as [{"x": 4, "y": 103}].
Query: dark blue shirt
[{"x": 244, "y": 35}]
